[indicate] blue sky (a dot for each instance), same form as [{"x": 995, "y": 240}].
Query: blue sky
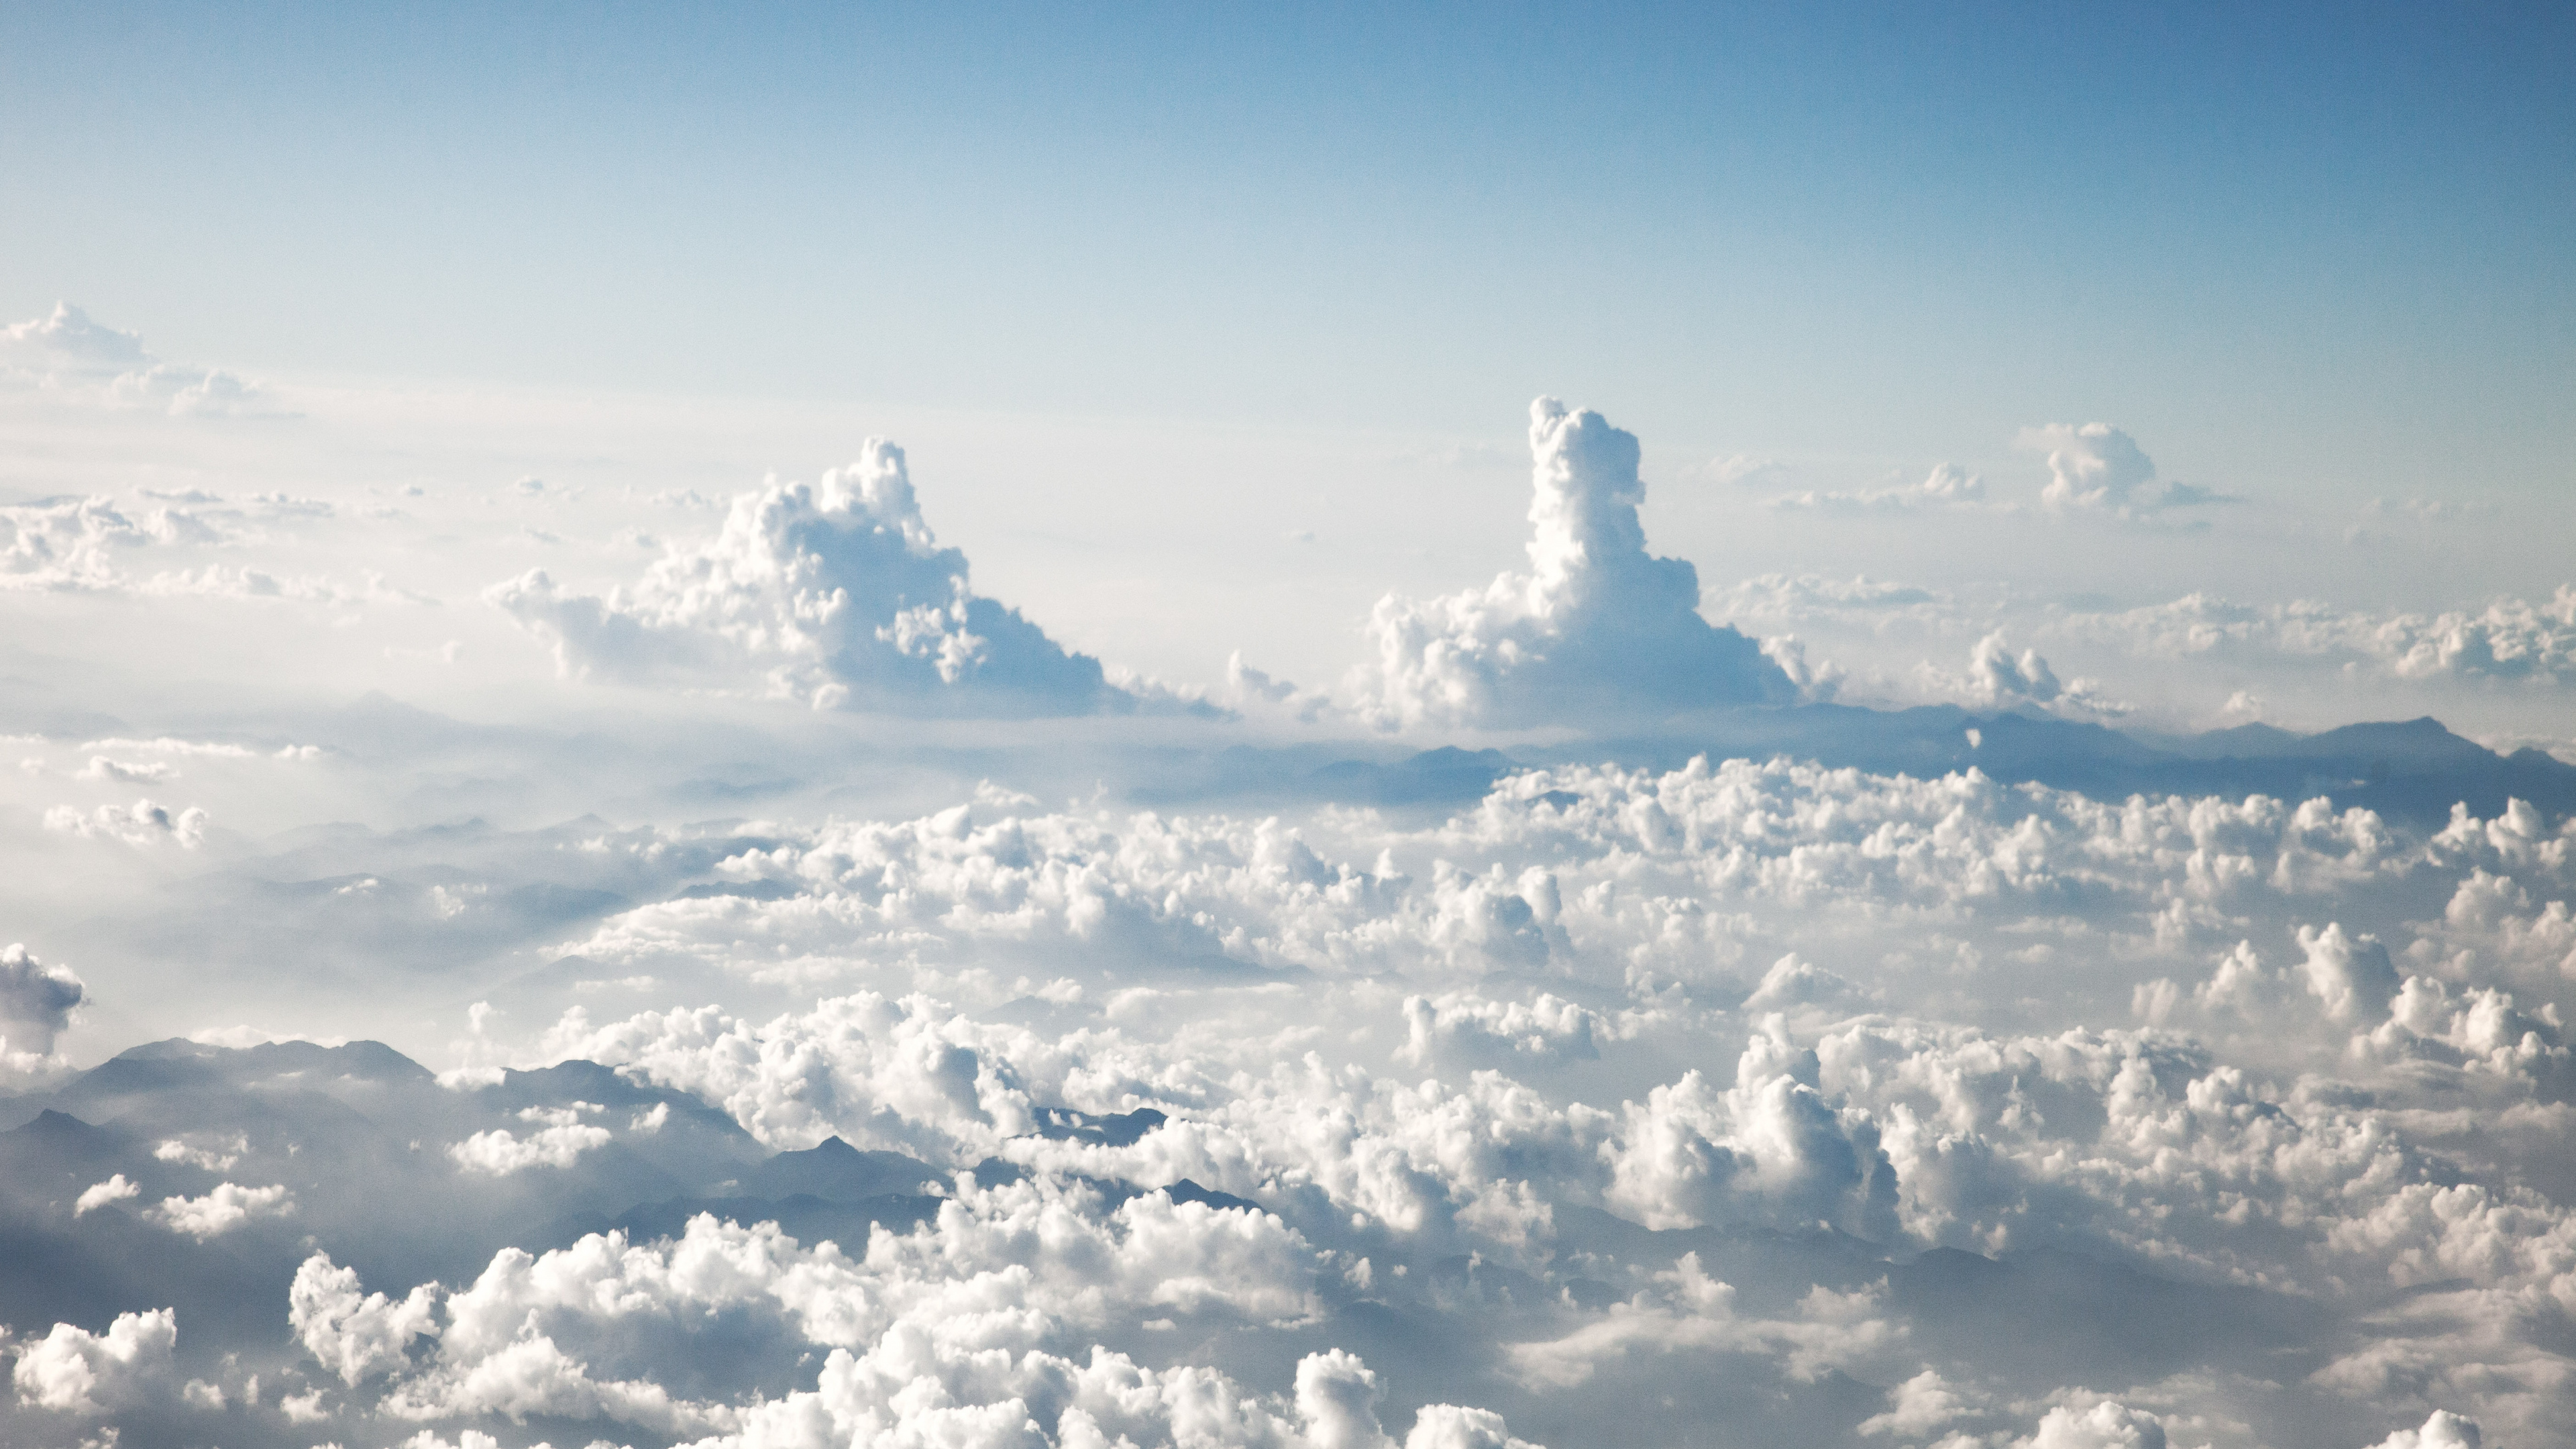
[{"x": 2325, "y": 246}]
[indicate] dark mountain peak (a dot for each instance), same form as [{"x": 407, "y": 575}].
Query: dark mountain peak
[
  {"x": 576, "y": 1077},
  {"x": 835, "y": 1171},
  {"x": 60, "y": 1129},
  {"x": 368, "y": 1060}
]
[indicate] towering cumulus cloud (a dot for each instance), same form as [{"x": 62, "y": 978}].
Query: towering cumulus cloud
[
  {"x": 834, "y": 593},
  {"x": 1597, "y": 626}
]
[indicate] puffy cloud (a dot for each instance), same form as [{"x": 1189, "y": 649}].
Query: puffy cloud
[
  {"x": 1997, "y": 678},
  {"x": 2506, "y": 638},
  {"x": 834, "y": 593},
  {"x": 2353, "y": 978},
  {"x": 1448, "y": 1426},
  {"x": 561, "y": 1139},
  {"x": 67, "y": 356},
  {"x": 1597, "y": 628},
  {"x": 72, "y": 544},
  {"x": 1771, "y": 1149},
  {"x": 1337, "y": 1396},
  {"x": 1545, "y": 1029},
  {"x": 142, "y": 823},
  {"x": 2107, "y": 1424},
  {"x": 1475, "y": 1050},
  {"x": 227, "y": 1207},
  {"x": 74, "y": 1371},
  {"x": 37, "y": 1001},
  {"x": 2444, "y": 1430},
  {"x": 356, "y": 1336},
  {"x": 941, "y": 1331},
  {"x": 2097, "y": 466},
  {"x": 1919, "y": 1407},
  {"x": 100, "y": 1194}
]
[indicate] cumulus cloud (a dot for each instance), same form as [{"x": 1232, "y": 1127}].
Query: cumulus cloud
[
  {"x": 142, "y": 823},
  {"x": 74, "y": 1371},
  {"x": 228, "y": 1207},
  {"x": 913, "y": 1327},
  {"x": 1997, "y": 678},
  {"x": 1597, "y": 628},
  {"x": 2107, "y": 1424},
  {"x": 100, "y": 1194},
  {"x": 66, "y": 356},
  {"x": 2354, "y": 979},
  {"x": 561, "y": 1139},
  {"x": 834, "y": 593},
  {"x": 2097, "y": 467},
  {"x": 2444, "y": 1430},
  {"x": 356, "y": 1336},
  {"x": 37, "y": 1001},
  {"x": 1920, "y": 1407},
  {"x": 2508, "y": 639}
]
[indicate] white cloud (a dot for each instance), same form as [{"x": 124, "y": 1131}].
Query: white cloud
[
  {"x": 1598, "y": 628},
  {"x": 356, "y": 1336},
  {"x": 2507, "y": 638},
  {"x": 101, "y": 767},
  {"x": 835, "y": 594},
  {"x": 228, "y": 1207},
  {"x": 1997, "y": 678},
  {"x": 142, "y": 823},
  {"x": 2444, "y": 1430},
  {"x": 560, "y": 1142},
  {"x": 2107, "y": 1424},
  {"x": 68, "y": 357},
  {"x": 1946, "y": 486},
  {"x": 100, "y": 1194},
  {"x": 37, "y": 1001},
  {"x": 1918, "y": 1408},
  {"x": 74, "y": 1371},
  {"x": 2353, "y": 978},
  {"x": 2098, "y": 467}
]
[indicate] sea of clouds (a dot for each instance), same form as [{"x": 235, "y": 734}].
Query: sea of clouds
[{"x": 497, "y": 972}]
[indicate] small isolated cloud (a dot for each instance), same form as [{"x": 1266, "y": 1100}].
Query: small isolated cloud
[
  {"x": 229, "y": 1206},
  {"x": 100, "y": 1194},
  {"x": 2098, "y": 467},
  {"x": 1947, "y": 486},
  {"x": 142, "y": 823},
  {"x": 560, "y": 1141},
  {"x": 1919, "y": 1407},
  {"x": 836, "y": 594},
  {"x": 1596, "y": 625},
  {"x": 1997, "y": 678},
  {"x": 67, "y": 356},
  {"x": 36, "y": 1001}
]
